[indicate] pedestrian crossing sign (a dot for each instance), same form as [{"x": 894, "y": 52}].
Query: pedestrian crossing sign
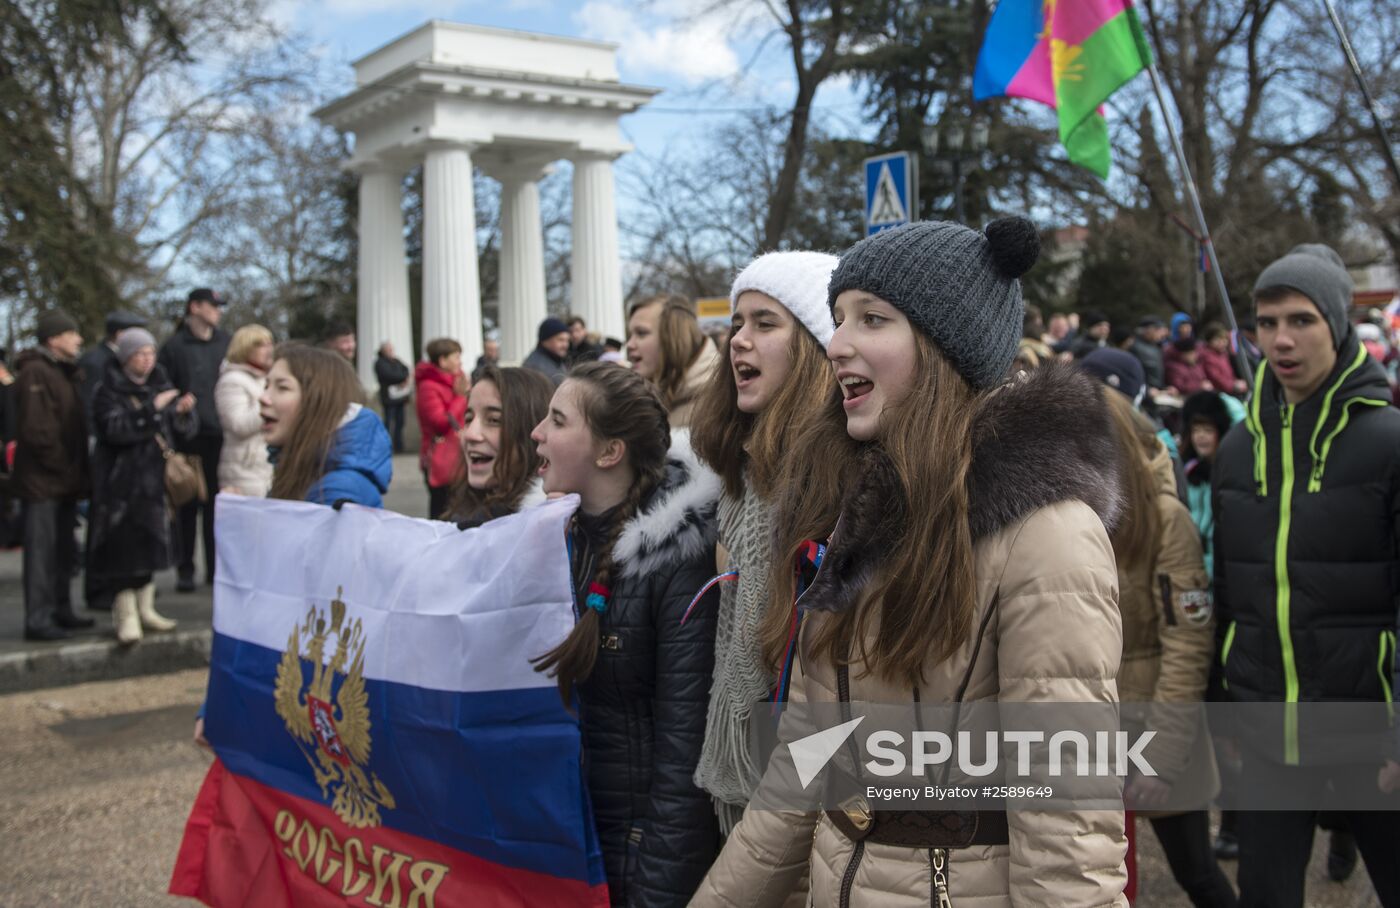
[{"x": 891, "y": 191}]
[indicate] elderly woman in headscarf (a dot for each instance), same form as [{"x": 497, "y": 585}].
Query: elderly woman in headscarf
[{"x": 137, "y": 415}]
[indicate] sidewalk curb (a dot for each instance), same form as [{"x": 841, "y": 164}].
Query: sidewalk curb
[{"x": 103, "y": 660}]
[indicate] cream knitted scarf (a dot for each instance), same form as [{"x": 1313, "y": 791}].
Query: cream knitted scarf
[{"x": 726, "y": 768}]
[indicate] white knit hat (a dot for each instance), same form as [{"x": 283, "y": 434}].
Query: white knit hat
[{"x": 797, "y": 280}]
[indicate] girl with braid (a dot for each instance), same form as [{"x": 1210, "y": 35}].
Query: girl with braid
[
  {"x": 745, "y": 425},
  {"x": 641, "y": 545}
]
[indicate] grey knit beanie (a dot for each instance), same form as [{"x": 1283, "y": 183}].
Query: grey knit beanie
[
  {"x": 132, "y": 341},
  {"x": 1317, "y": 272},
  {"x": 956, "y": 285}
]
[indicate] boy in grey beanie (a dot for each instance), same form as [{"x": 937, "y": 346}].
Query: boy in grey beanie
[
  {"x": 1306, "y": 494},
  {"x": 1317, "y": 272}
]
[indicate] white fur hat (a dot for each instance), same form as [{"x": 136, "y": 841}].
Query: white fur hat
[{"x": 797, "y": 280}]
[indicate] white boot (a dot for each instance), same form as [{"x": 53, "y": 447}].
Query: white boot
[
  {"x": 146, "y": 608},
  {"x": 125, "y": 618}
]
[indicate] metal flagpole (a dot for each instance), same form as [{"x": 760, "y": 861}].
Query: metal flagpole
[
  {"x": 1365, "y": 91},
  {"x": 1200, "y": 220}
]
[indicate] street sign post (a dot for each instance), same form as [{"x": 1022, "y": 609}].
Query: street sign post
[{"x": 891, "y": 191}]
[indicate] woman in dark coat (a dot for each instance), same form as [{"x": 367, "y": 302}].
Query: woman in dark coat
[{"x": 129, "y": 534}]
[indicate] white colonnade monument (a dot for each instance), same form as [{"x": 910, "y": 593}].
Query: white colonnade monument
[{"x": 452, "y": 97}]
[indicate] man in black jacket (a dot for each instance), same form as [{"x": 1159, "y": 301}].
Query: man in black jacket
[
  {"x": 191, "y": 358},
  {"x": 51, "y": 474},
  {"x": 1307, "y": 566},
  {"x": 581, "y": 349},
  {"x": 394, "y": 388}
]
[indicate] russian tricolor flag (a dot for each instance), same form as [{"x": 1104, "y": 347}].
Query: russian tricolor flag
[{"x": 381, "y": 737}]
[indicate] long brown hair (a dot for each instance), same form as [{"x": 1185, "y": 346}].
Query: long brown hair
[
  {"x": 616, "y": 403},
  {"x": 923, "y": 595},
  {"x": 1135, "y": 537},
  {"x": 525, "y": 395},
  {"x": 328, "y": 387},
  {"x": 681, "y": 341},
  {"x": 729, "y": 439}
]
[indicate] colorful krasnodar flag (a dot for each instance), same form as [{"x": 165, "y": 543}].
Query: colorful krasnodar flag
[
  {"x": 381, "y": 736},
  {"x": 1069, "y": 54}
]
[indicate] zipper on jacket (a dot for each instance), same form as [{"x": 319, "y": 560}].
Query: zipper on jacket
[
  {"x": 938, "y": 859},
  {"x": 1164, "y": 585},
  {"x": 1255, "y": 425},
  {"x": 1387, "y": 639},
  {"x": 849, "y": 879},
  {"x": 1320, "y": 460},
  {"x": 1225, "y": 654},
  {"x": 1284, "y": 600},
  {"x": 1319, "y": 457}
]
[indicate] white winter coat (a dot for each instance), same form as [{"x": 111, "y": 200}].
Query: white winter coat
[{"x": 243, "y": 464}]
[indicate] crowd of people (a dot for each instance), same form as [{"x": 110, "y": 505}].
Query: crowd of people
[
  {"x": 915, "y": 489},
  {"x": 140, "y": 437}
]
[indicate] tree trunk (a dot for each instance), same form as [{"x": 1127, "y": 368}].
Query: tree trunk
[{"x": 794, "y": 149}]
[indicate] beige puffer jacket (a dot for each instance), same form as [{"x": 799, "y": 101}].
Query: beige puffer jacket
[
  {"x": 696, "y": 377},
  {"x": 1043, "y": 484},
  {"x": 243, "y": 462},
  {"x": 1168, "y": 638}
]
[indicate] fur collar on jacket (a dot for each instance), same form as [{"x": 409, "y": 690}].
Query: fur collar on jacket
[
  {"x": 534, "y": 494},
  {"x": 678, "y": 521},
  {"x": 1036, "y": 441}
]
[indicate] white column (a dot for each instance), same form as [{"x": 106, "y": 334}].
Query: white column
[
  {"x": 382, "y": 307},
  {"x": 597, "y": 280},
  {"x": 522, "y": 303},
  {"x": 451, "y": 289}
]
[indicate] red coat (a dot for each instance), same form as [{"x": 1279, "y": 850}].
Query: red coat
[
  {"x": 1183, "y": 376},
  {"x": 435, "y": 400},
  {"x": 1218, "y": 369}
]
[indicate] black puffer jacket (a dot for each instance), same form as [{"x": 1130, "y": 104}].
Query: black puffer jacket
[
  {"x": 643, "y": 708},
  {"x": 1319, "y": 481},
  {"x": 129, "y": 523}
]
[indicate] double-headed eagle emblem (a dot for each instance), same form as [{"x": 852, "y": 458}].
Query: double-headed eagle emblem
[{"x": 333, "y": 719}]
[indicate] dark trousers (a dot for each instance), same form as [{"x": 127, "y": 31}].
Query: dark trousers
[
  {"x": 393, "y": 421},
  {"x": 49, "y": 556},
  {"x": 1185, "y": 839},
  {"x": 188, "y": 518},
  {"x": 1275, "y": 845},
  {"x": 438, "y": 498}
]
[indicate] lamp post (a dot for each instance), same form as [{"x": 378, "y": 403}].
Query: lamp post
[{"x": 952, "y": 140}]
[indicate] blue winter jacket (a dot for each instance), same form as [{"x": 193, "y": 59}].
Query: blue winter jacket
[
  {"x": 358, "y": 469},
  {"x": 359, "y": 466}
]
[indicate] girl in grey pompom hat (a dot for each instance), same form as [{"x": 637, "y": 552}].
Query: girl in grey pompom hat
[
  {"x": 965, "y": 559},
  {"x": 958, "y": 286}
]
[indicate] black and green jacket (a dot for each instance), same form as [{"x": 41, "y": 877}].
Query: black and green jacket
[{"x": 1307, "y": 577}]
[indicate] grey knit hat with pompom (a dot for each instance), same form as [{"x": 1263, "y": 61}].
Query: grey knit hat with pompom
[{"x": 958, "y": 286}]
